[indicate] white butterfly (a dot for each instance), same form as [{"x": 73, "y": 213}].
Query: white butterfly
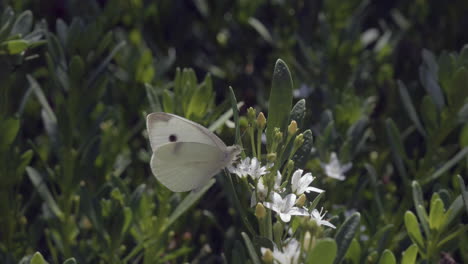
[{"x": 185, "y": 154}]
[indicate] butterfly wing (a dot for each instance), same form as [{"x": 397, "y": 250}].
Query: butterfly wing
[
  {"x": 166, "y": 128},
  {"x": 184, "y": 166}
]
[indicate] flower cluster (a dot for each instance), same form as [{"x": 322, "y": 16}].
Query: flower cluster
[{"x": 277, "y": 198}]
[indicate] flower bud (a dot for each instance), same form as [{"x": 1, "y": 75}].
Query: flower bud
[
  {"x": 251, "y": 113},
  {"x": 298, "y": 141},
  {"x": 267, "y": 256},
  {"x": 301, "y": 200},
  {"x": 292, "y": 128},
  {"x": 278, "y": 135},
  {"x": 278, "y": 231},
  {"x": 260, "y": 211},
  {"x": 261, "y": 121},
  {"x": 271, "y": 157}
]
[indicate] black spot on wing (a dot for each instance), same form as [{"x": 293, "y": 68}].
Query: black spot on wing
[{"x": 172, "y": 138}]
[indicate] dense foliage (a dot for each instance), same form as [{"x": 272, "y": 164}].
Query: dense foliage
[{"x": 376, "y": 89}]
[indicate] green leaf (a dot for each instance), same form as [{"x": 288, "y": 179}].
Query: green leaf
[
  {"x": 447, "y": 165},
  {"x": 436, "y": 213},
  {"x": 298, "y": 112},
  {"x": 303, "y": 153},
  {"x": 345, "y": 235},
  {"x": 464, "y": 192},
  {"x": 261, "y": 29},
  {"x": 153, "y": 98},
  {"x": 43, "y": 191},
  {"x": 223, "y": 118},
  {"x": 429, "y": 114},
  {"x": 104, "y": 63},
  {"x": 250, "y": 249},
  {"x": 167, "y": 102},
  {"x": 458, "y": 90},
  {"x": 412, "y": 227},
  {"x": 396, "y": 146},
  {"x": 463, "y": 114},
  {"x": 453, "y": 211},
  {"x": 354, "y": 252},
  {"x": 9, "y": 129},
  {"x": 188, "y": 202},
  {"x": 37, "y": 258},
  {"x": 77, "y": 68},
  {"x": 324, "y": 252},
  {"x": 280, "y": 100},
  {"x": 23, "y": 24},
  {"x": 409, "y": 255},
  {"x": 428, "y": 72},
  {"x": 409, "y": 107},
  {"x": 13, "y": 47},
  {"x": 235, "y": 111},
  {"x": 387, "y": 257},
  {"x": 70, "y": 261}
]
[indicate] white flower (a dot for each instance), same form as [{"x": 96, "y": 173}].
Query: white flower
[
  {"x": 335, "y": 169},
  {"x": 262, "y": 190},
  {"x": 318, "y": 217},
  {"x": 300, "y": 184},
  {"x": 256, "y": 170},
  {"x": 289, "y": 254},
  {"x": 284, "y": 207},
  {"x": 248, "y": 166}
]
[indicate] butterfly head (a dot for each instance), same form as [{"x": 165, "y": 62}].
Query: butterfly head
[{"x": 233, "y": 152}]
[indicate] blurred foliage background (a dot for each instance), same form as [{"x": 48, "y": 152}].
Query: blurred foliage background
[{"x": 385, "y": 82}]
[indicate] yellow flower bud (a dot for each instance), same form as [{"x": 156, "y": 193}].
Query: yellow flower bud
[
  {"x": 292, "y": 128},
  {"x": 301, "y": 200},
  {"x": 267, "y": 256},
  {"x": 261, "y": 121},
  {"x": 260, "y": 211}
]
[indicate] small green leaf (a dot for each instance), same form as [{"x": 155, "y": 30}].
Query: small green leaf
[
  {"x": 77, "y": 69},
  {"x": 23, "y": 24},
  {"x": 303, "y": 153},
  {"x": 412, "y": 227},
  {"x": 458, "y": 90},
  {"x": 250, "y": 249},
  {"x": 188, "y": 202},
  {"x": 409, "y": 255},
  {"x": 387, "y": 257},
  {"x": 167, "y": 102},
  {"x": 70, "y": 261},
  {"x": 428, "y": 72},
  {"x": 37, "y": 258},
  {"x": 354, "y": 252},
  {"x": 447, "y": 165},
  {"x": 261, "y": 29},
  {"x": 464, "y": 192},
  {"x": 9, "y": 129},
  {"x": 436, "y": 213},
  {"x": 463, "y": 114},
  {"x": 43, "y": 191},
  {"x": 345, "y": 235},
  {"x": 324, "y": 252},
  {"x": 223, "y": 118},
  {"x": 298, "y": 112},
  {"x": 280, "y": 100},
  {"x": 429, "y": 114},
  {"x": 409, "y": 107},
  {"x": 396, "y": 146},
  {"x": 235, "y": 111},
  {"x": 13, "y": 47}
]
